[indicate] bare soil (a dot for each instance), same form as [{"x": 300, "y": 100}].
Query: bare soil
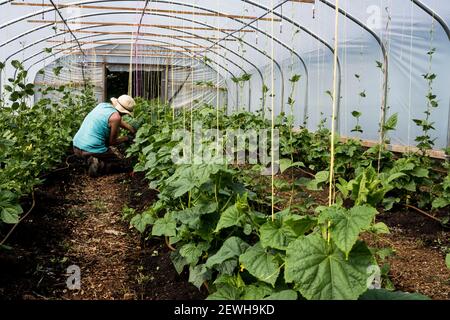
[
  {"x": 420, "y": 245},
  {"x": 77, "y": 220}
]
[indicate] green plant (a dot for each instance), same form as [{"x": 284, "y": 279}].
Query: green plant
[
  {"x": 369, "y": 187},
  {"x": 442, "y": 196},
  {"x": 224, "y": 235},
  {"x": 240, "y": 81},
  {"x": 34, "y": 138},
  {"x": 291, "y": 101},
  {"x": 425, "y": 141},
  {"x": 357, "y": 128},
  {"x": 216, "y": 216}
]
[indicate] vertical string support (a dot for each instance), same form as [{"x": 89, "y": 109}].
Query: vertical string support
[
  {"x": 217, "y": 80},
  {"x": 272, "y": 129},
  {"x": 385, "y": 89},
  {"x": 130, "y": 72},
  {"x": 333, "y": 117}
]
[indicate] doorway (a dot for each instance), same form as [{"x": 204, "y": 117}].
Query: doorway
[{"x": 145, "y": 84}]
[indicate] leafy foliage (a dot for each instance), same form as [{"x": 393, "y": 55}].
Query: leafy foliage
[
  {"x": 217, "y": 214},
  {"x": 218, "y": 220},
  {"x": 34, "y": 138}
]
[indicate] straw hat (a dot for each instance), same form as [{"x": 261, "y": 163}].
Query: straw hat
[{"x": 124, "y": 104}]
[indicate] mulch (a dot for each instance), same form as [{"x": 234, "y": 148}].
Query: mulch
[{"x": 78, "y": 221}]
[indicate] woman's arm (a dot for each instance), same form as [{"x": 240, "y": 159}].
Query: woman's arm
[
  {"x": 127, "y": 126},
  {"x": 115, "y": 124}
]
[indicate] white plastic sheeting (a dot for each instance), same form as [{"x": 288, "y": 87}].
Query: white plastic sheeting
[
  {"x": 299, "y": 30},
  {"x": 185, "y": 80},
  {"x": 69, "y": 75}
]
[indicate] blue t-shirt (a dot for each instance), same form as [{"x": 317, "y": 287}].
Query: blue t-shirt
[{"x": 94, "y": 131}]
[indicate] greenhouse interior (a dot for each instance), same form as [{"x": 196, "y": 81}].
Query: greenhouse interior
[{"x": 225, "y": 150}]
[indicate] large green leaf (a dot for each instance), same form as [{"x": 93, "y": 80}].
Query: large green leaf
[
  {"x": 198, "y": 275},
  {"x": 383, "y": 294},
  {"x": 232, "y": 248},
  {"x": 193, "y": 251},
  {"x": 441, "y": 202},
  {"x": 225, "y": 292},
  {"x": 187, "y": 177},
  {"x": 391, "y": 123},
  {"x": 141, "y": 221},
  {"x": 420, "y": 172},
  {"x": 320, "y": 177},
  {"x": 232, "y": 280},
  {"x": 10, "y": 213},
  {"x": 164, "y": 227},
  {"x": 256, "y": 291},
  {"x": 230, "y": 217},
  {"x": 276, "y": 234},
  {"x": 287, "y": 163},
  {"x": 283, "y": 295},
  {"x": 260, "y": 264},
  {"x": 379, "y": 228},
  {"x": 320, "y": 270},
  {"x": 10, "y": 210},
  {"x": 228, "y": 266},
  {"x": 191, "y": 216},
  {"x": 346, "y": 225},
  {"x": 300, "y": 224},
  {"x": 178, "y": 261}
]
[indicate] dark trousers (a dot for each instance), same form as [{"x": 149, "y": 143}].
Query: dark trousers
[{"x": 112, "y": 160}]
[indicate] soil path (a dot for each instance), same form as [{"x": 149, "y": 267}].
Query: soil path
[{"x": 78, "y": 222}]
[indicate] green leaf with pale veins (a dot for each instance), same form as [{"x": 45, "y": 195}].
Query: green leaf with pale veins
[
  {"x": 164, "y": 227},
  {"x": 260, "y": 264},
  {"x": 320, "y": 270},
  {"x": 300, "y": 224},
  {"x": 193, "y": 251},
  {"x": 256, "y": 291},
  {"x": 287, "y": 163},
  {"x": 346, "y": 225},
  {"x": 276, "y": 234},
  {"x": 228, "y": 266},
  {"x": 232, "y": 248},
  {"x": 391, "y": 123},
  {"x": 199, "y": 274},
  {"x": 191, "y": 216},
  {"x": 441, "y": 202},
  {"x": 178, "y": 261},
  {"x": 230, "y": 217},
  {"x": 231, "y": 280},
  {"x": 10, "y": 213},
  {"x": 141, "y": 221},
  {"x": 225, "y": 292},
  {"x": 379, "y": 228}
]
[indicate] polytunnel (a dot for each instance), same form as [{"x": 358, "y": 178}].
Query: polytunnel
[
  {"x": 176, "y": 37},
  {"x": 355, "y": 94}
]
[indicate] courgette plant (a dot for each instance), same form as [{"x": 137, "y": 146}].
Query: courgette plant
[{"x": 218, "y": 223}]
